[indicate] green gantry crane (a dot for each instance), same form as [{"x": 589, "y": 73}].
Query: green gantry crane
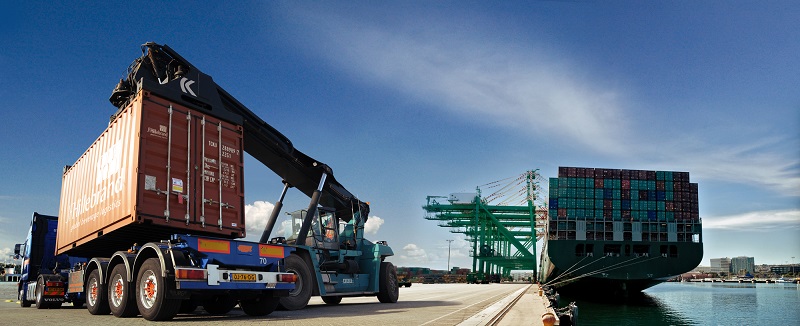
[{"x": 502, "y": 235}]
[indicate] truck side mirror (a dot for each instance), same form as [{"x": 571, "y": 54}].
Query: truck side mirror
[{"x": 17, "y": 250}]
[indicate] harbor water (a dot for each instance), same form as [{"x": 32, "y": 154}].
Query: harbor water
[{"x": 692, "y": 303}]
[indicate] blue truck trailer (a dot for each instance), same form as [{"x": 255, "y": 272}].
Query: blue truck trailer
[{"x": 172, "y": 276}]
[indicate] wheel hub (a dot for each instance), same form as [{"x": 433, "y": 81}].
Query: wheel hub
[
  {"x": 149, "y": 290},
  {"x": 92, "y": 293},
  {"x": 117, "y": 293}
]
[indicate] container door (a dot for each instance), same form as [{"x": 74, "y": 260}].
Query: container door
[
  {"x": 165, "y": 157},
  {"x": 220, "y": 195}
]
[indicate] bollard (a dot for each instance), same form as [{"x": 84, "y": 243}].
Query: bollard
[{"x": 548, "y": 319}]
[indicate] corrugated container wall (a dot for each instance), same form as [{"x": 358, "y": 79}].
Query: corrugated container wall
[{"x": 158, "y": 169}]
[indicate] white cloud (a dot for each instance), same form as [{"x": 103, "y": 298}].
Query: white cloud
[
  {"x": 476, "y": 78},
  {"x": 756, "y": 221},
  {"x": 415, "y": 254},
  {"x": 757, "y": 162},
  {"x": 532, "y": 89},
  {"x": 5, "y": 254},
  {"x": 284, "y": 229},
  {"x": 256, "y": 216},
  {"x": 373, "y": 224},
  {"x": 459, "y": 248}
]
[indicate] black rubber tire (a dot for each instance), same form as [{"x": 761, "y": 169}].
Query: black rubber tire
[
  {"x": 260, "y": 306},
  {"x": 40, "y": 303},
  {"x": 219, "y": 305},
  {"x": 121, "y": 300},
  {"x": 332, "y": 300},
  {"x": 298, "y": 298},
  {"x": 388, "y": 291},
  {"x": 95, "y": 293},
  {"x": 22, "y": 302},
  {"x": 187, "y": 306},
  {"x": 151, "y": 293}
]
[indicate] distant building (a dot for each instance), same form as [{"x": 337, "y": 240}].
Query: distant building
[
  {"x": 784, "y": 269},
  {"x": 742, "y": 265},
  {"x": 720, "y": 265}
]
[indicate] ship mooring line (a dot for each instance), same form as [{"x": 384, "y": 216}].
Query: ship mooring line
[
  {"x": 609, "y": 268},
  {"x": 601, "y": 270},
  {"x": 624, "y": 264},
  {"x": 570, "y": 268}
]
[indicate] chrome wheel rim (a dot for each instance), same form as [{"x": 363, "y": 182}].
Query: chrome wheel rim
[
  {"x": 117, "y": 291},
  {"x": 148, "y": 289},
  {"x": 91, "y": 297}
]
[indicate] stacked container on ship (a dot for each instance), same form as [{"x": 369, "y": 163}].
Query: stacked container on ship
[{"x": 614, "y": 232}]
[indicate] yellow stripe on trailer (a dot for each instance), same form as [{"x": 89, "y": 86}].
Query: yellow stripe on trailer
[
  {"x": 215, "y": 246},
  {"x": 270, "y": 251}
]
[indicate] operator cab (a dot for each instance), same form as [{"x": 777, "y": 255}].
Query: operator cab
[{"x": 325, "y": 233}]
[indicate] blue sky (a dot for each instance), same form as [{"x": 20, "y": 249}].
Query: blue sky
[{"x": 410, "y": 99}]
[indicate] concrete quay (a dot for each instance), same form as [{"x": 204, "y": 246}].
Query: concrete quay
[{"x": 421, "y": 304}]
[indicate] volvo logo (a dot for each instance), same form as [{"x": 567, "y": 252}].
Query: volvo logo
[{"x": 185, "y": 86}]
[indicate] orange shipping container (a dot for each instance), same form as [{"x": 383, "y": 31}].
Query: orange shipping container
[{"x": 158, "y": 169}]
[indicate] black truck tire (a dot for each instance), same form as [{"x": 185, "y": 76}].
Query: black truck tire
[
  {"x": 121, "y": 300},
  {"x": 260, "y": 306},
  {"x": 388, "y": 291},
  {"x": 219, "y": 305},
  {"x": 22, "y": 302},
  {"x": 95, "y": 294},
  {"x": 298, "y": 298},
  {"x": 332, "y": 300},
  {"x": 188, "y": 306},
  {"x": 40, "y": 303},
  {"x": 151, "y": 293}
]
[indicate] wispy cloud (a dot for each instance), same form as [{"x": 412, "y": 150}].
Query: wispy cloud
[
  {"x": 475, "y": 78},
  {"x": 757, "y": 162},
  {"x": 756, "y": 221},
  {"x": 529, "y": 88}
]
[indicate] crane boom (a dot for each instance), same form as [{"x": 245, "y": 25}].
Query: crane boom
[{"x": 160, "y": 69}]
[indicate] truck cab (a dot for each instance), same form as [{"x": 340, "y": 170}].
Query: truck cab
[{"x": 43, "y": 273}]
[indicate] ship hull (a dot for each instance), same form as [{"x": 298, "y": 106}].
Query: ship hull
[{"x": 601, "y": 272}]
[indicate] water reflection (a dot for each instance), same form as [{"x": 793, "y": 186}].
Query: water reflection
[
  {"x": 640, "y": 309},
  {"x": 695, "y": 304}
]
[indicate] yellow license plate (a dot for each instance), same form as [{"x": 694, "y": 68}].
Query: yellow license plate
[{"x": 243, "y": 277}]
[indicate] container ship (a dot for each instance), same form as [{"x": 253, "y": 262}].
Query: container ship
[{"x": 616, "y": 232}]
